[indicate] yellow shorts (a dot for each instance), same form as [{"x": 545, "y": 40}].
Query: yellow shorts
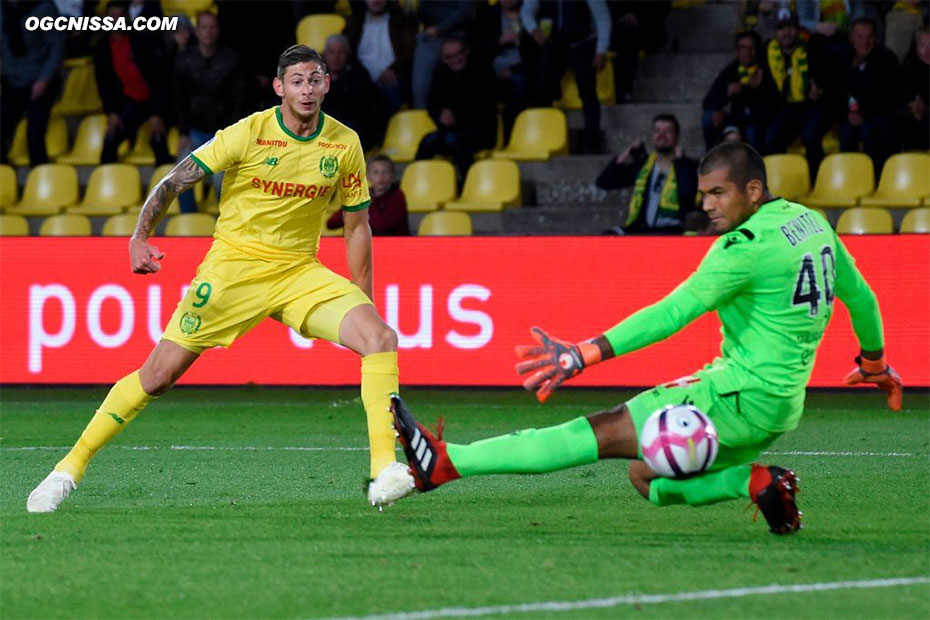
[{"x": 233, "y": 291}]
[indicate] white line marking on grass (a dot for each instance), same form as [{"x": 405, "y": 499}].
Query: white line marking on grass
[
  {"x": 642, "y": 599},
  {"x": 817, "y": 453}
]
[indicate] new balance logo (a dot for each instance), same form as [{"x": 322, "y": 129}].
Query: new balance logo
[
  {"x": 272, "y": 161},
  {"x": 421, "y": 447},
  {"x": 118, "y": 419}
]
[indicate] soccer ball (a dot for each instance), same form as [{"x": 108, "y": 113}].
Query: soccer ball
[{"x": 679, "y": 440}]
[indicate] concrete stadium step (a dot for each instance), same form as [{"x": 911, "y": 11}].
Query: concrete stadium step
[
  {"x": 678, "y": 78},
  {"x": 705, "y": 28},
  {"x": 570, "y": 219},
  {"x": 624, "y": 123}
]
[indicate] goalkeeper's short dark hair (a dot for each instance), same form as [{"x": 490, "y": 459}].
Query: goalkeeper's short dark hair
[
  {"x": 299, "y": 53},
  {"x": 743, "y": 163}
]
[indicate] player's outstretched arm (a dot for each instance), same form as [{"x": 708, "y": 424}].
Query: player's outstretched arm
[
  {"x": 552, "y": 361},
  {"x": 358, "y": 249},
  {"x": 144, "y": 256}
]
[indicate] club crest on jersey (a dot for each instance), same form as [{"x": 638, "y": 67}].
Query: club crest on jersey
[
  {"x": 190, "y": 323},
  {"x": 329, "y": 166}
]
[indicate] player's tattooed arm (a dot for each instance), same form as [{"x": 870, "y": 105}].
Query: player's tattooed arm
[
  {"x": 184, "y": 176},
  {"x": 143, "y": 256}
]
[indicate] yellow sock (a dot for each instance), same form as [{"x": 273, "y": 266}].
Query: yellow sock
[
  {"x": 379, "y": 381},
  {"x": 125, "y": 400}
]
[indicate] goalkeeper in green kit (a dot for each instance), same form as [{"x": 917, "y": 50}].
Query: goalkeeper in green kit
[{"x": 772, "y": 277}]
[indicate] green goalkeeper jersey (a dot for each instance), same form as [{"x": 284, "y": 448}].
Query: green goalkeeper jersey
[{"x": 772, "y": 282}]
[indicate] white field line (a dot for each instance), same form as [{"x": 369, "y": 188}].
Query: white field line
[
  {"x": 365, "y": 448},
  {"x": 644, "y": 599}
]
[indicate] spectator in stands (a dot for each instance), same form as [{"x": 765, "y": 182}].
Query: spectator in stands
[
  {"x": 179, "y": 39},
  {"x": 873, "y": 85},
  {"x": 387, "y": 214},
  {"x": 915, "y": 122},
  {"x": 802, "y": 102},
  {"x": 563, "y": 30},
  {"x": 384, "y": 39},
  {"x": 30, "y": 82},
  {"x": 743, "y": 94},
  {"x": 497, "y": 40},
  {"x": 130, "y": 80},
  {"x": 461, "y": 104},
  {"x": 731, "y": 133},
  {"x": 440, "y": 19},
  {"x": 638, "y": 26},
  {"x": 209, "y": 93},
  {"x": 902, "y": 23},
  {"x": 664, "y": 199},
  {"x": 352, "y": 98}
]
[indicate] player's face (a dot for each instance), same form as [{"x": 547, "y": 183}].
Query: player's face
[
  {"x": 302, "y": 89},
  {"x": 725, "y": 203},
  {"x": 380, "y": 177}
]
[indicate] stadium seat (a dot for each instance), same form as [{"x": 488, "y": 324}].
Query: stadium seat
[
  {"x": 88, "y": 143},
  {"x": 79, "y": 95},
  {"x": 158, "y": 174},
  {"x": 490, "y": 185},
  {"x": 9, "y": 189},
  {"x": 122, "y": 225},
  {"x": 538, "y": 134},
  {"x": 191, "y": 225},
  {"x": 843, "y": 178},
  {"x": 49, "y": 189},
  {"x": 865, "y": 221},
  {"x": 606, "y": 90},
  {"x": 190, "y": 8},
  {"x": 313, "y": 30},
  {"x": 904, "y": 182},
  {"x": 112, "y": 189},
  {"x": 788, "y": 176},
  {"x": 445, "y": 223},
  {"x": 56, "y": 141},
  {"x": 822, "y": 213},
  {"x": 65, "y": 225},
  {"x": 13, "y": 226},
  {"x": 404, "y": 132},
  {"x": 916, "y": 221},
  {"x": 428, "y": 184}
]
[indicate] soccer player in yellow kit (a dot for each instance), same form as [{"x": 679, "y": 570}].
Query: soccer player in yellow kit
[{"x": 284, "y": 166}]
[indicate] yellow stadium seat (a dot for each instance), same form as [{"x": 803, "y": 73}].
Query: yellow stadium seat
[
  {"x": 788, "y": 176},
  {"x": 916, "y": 221},
  {"x": 112, "y": 189},
  {"x": 122, "y": 225},
  {"x": 490, "y": 185},
  {"x": 49, "y": 189},
  {"x": 404, "y": 132},
  {"x": 88, "y": 143},
  {"x": 428, "y": 184},
  {"x": 65, "y": 225},
  {"x": 904, "y": 182},
  {"x": 79, "y": 95},
  {"x": 158, "y": 174},
  {"x": 865, "y": 221},
  {"x": 538, "y": 134},
  {"x": 191, "y": 225},
  {"x": 13, "y": 226},
  {"x": 9, "y": 190},
  {"x": 822, "y": 213},
  {"x": 190, "y": 8},
  {"x": 56, "y": 141},
  {"x": 313, "y": 30},
  {"x": 445, "y": 223},
  {"x": 606, "y": 90},
  {"x": 843, "y": 178}
]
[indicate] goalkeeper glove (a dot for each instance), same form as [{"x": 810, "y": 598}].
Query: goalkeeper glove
[
  {"x": 554, "y": 361},
  {"x": 882, "y": 375}
]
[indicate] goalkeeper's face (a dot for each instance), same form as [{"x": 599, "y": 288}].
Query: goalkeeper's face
[
  {"x": 302, "y": 89},
  {"x": 726, "y": 204}
]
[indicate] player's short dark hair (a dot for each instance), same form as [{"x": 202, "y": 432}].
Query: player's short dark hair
[
  {"x": 296, "y": 54},
  {"x": 668, "y": 118},
  {"x": 742, "y": 161},
  {"x": 384, "y": 158}
]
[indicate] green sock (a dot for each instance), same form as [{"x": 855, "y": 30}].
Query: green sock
[
  {"x": 710, "y": 488},
  {"x": 529, "y": 451}
]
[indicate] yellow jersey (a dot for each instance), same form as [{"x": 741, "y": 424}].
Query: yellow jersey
[{"x": 277, "y": 185}]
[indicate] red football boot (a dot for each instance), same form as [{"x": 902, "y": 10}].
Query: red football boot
[
  {"x": 772, "y": 490},
  {"x": 426, "y": 454}
]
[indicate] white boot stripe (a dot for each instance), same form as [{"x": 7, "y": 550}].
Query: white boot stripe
[{"x": 426, "y": 460}]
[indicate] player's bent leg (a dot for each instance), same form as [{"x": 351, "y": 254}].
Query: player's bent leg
[
  {"x": 126, "y": 399},
  {"x": 615, "y": 432},
  {"x": 641, "y": 475}
]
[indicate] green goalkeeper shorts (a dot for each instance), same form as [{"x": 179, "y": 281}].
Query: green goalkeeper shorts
[{"x": 740, "y": 441}]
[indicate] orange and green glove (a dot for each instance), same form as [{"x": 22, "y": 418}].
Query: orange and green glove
[
  {"x": 552, "y": 361},
  {"x": 882, "y": 375}
]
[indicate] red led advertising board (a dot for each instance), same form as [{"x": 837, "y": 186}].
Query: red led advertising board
[{"x": 72, "y": 312}]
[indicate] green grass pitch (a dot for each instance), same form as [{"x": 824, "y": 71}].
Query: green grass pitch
[{"x": 200, "y": 510}]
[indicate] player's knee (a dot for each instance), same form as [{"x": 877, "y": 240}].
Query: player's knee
[
  {"x": 615, "y": 432},
  {"x": 640, "y": 476},
  {"x": 382, "y": 340},
  {"x": 156, "y": 380}
]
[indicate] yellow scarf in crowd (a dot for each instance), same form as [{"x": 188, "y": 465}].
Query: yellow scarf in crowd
[
  {"x": 792, "y": 81},
  {"x": 668, "y": 199}
]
